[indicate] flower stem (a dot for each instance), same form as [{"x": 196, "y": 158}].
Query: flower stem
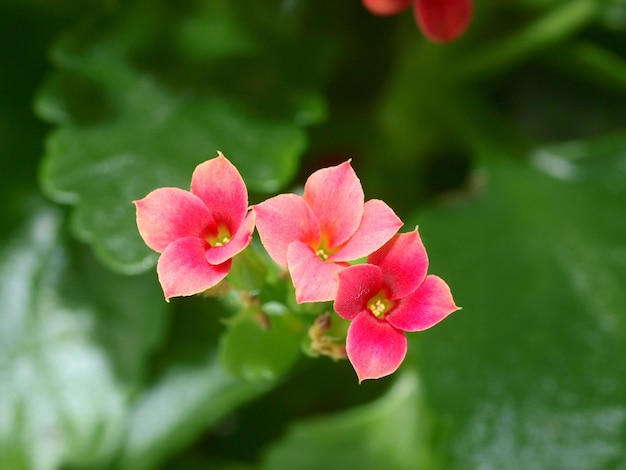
[{"x": 556, "y": 25}]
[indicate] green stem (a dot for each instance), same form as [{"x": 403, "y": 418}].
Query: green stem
[
  {"x": 593, "y": 63},
  {"x": 556, "y": 25}
]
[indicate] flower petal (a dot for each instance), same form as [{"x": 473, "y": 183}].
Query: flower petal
[
  {"x": 374, "y": 347},
  {"x": 315, "y": 280},
  {"x": 183, "y": 270},
  {"x": 430, "y": 304},
  {"x": 167, "y": 214},
  {"x": 282, "y": 220},
  {"x": 240, "y": 240},
  {"x": 404, "y": 264},
  {"x": 356, "y": 285},
  {"x": 336, "y": 197},
  {"x": 443, "y": 20},
  {"x": 378, "y": 225},
  {"x": 386, "y": 7},
  {"x": 218, "y": 183}
]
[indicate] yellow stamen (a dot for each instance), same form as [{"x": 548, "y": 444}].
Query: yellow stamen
[
  {"x": 379, "y": 306},
  {"x": 222, "y": 242},
  {"x": 221, "y": 238},
  {"x": 321, "y": 254}
]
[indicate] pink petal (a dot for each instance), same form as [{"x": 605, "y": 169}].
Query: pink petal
[
  {"x": 218, "y": 183},
  {"x": 315, "y": 280},
  {"x": 285, "y": 219},
  {"x": 356, "y": 285},
  {"x": 386, "y": 7},
  {"x": 167, "y": 214},
  {"x": 183, "y": 270},
  {"x": 430, "y": 304},
  {"x": 404, "y": 264},
  {"x": 374, "y": 347},
  {"x": 240, "y": 240},
  {"x": 378, "y": 225},
  {"x": 443, "y": 20},
  {"x": 336, "y": 197}
]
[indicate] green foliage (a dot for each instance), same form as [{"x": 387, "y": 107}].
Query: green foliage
[
  {"x": 137, "y": 111},
  {"x": 391, "y": 432},
  {"x": 73, "y": 347},
  {"x": 542, "y": 322},
  {"x": 507, "y": 147},
  {"x": 178, "y": 406},
  {"x": 260, "y": 347}
]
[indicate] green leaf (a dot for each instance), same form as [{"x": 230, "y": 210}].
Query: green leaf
[
  {"x": 256, "y": 352},
  {"x": 530, "y": 374},
  {"x": 392, "y": 432},
  {"x": 184, "y": 401},
  {"x": 63, "y": 392},
  {"x": 133, "y": 304},
  {"x": 188, "y": 393},
  {"x": 128, "y": 123},
  {"x": 249, "y": 270}
]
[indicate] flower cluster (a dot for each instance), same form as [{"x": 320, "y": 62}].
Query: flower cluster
[
  {"x": 439, "y": 20},
  {"x": 318, "y": 238}
]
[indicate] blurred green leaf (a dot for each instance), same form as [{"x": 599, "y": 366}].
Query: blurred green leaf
[
  {"x": 135, "y": 111},
  {"x": 249, "y": 270},
  {"x": 189, "y": 393},
  {"x": 68, "y": 359},
  {"x": 254, "y": 352},
  {"x": 133, "y": 304},
  {"x": 530, "y": 374},
  {"x": 392, "y": 432},
  {"x": 184, "y": 401}
]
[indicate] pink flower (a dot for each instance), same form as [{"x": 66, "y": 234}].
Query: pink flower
[
  {"x": 386, "y": 7},
  {"x": 314, "y": 235},
  {"x": 197, "y": 232},
  {"x": 439, "y": 20},
  {"x": 384, "y": 298}
]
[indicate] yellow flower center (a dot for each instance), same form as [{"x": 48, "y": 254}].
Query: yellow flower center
[
  {"x": 379, "y": 305},
  {"x": 323, "y": 251},
  {"x": 222, "y": 242},
  {"x": 321, "y": 254},
  {"x": 221, "y": 239}
]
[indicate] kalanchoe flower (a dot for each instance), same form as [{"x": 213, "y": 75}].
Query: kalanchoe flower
[
  {"x": 387, "y": 7},
  {"x": 385, "y": 297},
  {"x": 439, "y": 20},
  {"x": 314, "y": 235},
  {"x": 197, "y": 232}
]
